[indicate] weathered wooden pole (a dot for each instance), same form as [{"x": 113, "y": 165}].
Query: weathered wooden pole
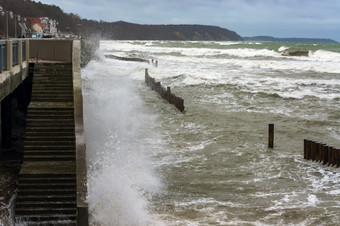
[
  {"x": 313, "y": 147},
  {"x": 271, "y": 136},
  {"x": 305, "y": 148},
  {"x": 330, "y": 155},
  {"x": 325, "y": 155},
  {"x": 309, "y": 146},
  {"x": 337, "y": 157},
  {"x": 333, "y": 161},
  {"x": 318, "y": 152}
]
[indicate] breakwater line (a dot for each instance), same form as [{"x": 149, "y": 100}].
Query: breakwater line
[
  {"x": 164, "y": 93},
  {"x": 320, "y": 152}
]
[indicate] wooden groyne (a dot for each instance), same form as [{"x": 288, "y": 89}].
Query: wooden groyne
[
  {"x": 133, "y": 59},
  {"x": 164, "y": 93},
  {"x": 320, "y": 152}
]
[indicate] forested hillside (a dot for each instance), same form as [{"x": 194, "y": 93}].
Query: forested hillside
[{"x": 111, "y": 30}]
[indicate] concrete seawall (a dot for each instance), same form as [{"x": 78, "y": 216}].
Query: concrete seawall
[{"x": 14, "y": 76}]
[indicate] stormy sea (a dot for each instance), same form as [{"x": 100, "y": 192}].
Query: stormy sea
[{"x": 150, "y": 164}]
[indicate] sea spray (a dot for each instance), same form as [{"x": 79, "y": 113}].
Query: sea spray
[
  {"x": 121, "y": 177},
  {"x": 213, "y": 160}
]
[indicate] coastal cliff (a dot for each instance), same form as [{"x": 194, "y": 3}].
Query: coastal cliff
[
  {"x": 124, "y": 31},
  {"x": 120, "y": 30}
]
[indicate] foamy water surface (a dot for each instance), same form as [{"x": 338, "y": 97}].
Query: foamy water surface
[{"x": 152, "y": 165}]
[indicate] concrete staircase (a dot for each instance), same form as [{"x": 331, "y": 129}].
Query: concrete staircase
[{"x": 47, "y": 181}]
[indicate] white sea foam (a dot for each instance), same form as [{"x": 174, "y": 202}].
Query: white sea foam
[
  {"x": 120, "y": 137},
  {"x": 283, "y": 48},
  {"x": 120, "y": 176}
]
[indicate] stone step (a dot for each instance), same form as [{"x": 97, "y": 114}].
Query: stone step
[
  {"x": 45, "y": 211},
  {"x": 49, "y": 138},
  {"x": 52, "y": 79},
  {"x": 69, "y": 203},
  {"x": 54, "y": 69},
  {"x": 43, "y": 180},
  {"x": 46, "y": 124},
  {"x": 55, "y": 73},
  {"x": 47, "y": 120},
  {"x": 24, "y": 186},
  {"x": 52, "y": 86},
  {"x": 49, "y": 152},
  {"x": 43, "y": 198},
  {"x": 55, "y": 220},
  {"x": 53, "y": 65},
  {"x": 52, "y": 111},
  {"x": 49, "y": 115},
  {"x": 52, "y": 92},
  {"x": 37, "y": 107},
  {"x": 44, "y": 192},
  {"x": 49, "y": 124},
  {"x": 49, "y": 158},
  {"x": 53, "y": 95},
  {"x": 60, "y": 100},
  {"x": 49, "y": 142},
  {"x": 50, "y": 132},
  {"x": 53, "y": 76},
  {"x": 50, "y": 147},
  {"x": 52, "y": 98}
]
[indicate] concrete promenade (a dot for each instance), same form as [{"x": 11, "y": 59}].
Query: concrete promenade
[{"x": 52, "y": 185}]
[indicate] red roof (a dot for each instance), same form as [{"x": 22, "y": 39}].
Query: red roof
[{"x": 35, "y": 20}]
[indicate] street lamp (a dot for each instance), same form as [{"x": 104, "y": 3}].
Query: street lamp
[
  {"x": 3, "y": 13},
  {"x": 15, "y": 23},
  {"x": 11, "y": 15}
]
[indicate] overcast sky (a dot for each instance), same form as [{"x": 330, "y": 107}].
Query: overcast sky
[{"x": 279, "y": 18}]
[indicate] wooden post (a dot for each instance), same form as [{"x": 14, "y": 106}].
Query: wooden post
[
  {"x": 337, "y": 157},
  {"x": 321, "y": 145},
  {"x": 271, "y": 136},
  {"x": 333, "y": 163},
  {"x": 325, "y": 155},
  {"x": 330, "y": 155},
  {"x": 318, "y": 156},
  {"x": 313, "y": 147},
  {"x": 316, "y": 151},
  {"x": 309, "y": 145},
  {"x": 305, "y": 150}
]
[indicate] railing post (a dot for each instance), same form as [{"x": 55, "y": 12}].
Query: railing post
[
  {"x": 27, "y": 46},
  {"x": 9, "y": 55},
  {"x": 14, "y": 52},
  {"x": 20, "y": 52}
]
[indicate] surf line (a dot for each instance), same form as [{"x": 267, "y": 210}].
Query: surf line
[{"x": 164, "y": 93}]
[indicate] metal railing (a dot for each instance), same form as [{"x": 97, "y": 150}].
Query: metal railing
[
  {"x": 3, "y": 55},
  {"x": 15, "y": 53},
  {"x": 23, "y": 50}
]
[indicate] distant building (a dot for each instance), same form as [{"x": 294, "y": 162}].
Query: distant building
[{"x": 43, "y": 27}]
